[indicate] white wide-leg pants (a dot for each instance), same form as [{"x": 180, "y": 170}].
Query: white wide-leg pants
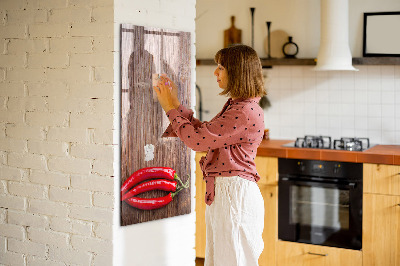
[{"x": 234, "y": 223}]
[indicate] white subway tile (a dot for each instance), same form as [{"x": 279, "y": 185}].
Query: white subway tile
[
  {"x": 322, "y": 121},
  {"x": 335, "y": 95},
  {"x": 322, "y": 95},
  {"x": 348, "y": 122},
  {"x": 361, "y": 123},
  {"x": 374, "y": 111},
  {"x": 347, "y": 109},
  {"x": 375, "y": 136},
  {"x": 374, "y": 97},
  {"x": 388, "y": 124},
  {"x": 374, "y": 124},
  {"x": 388, "y": 97},
  {"x": 388, "y": 110},
  {"x": 322, "y": 109}
]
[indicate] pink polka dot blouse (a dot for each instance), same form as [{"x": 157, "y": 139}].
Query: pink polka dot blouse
[{"x": 231, "y": 139}]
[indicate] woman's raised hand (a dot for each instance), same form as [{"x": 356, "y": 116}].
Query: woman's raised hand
[
  {"x": 174, "y": 89},
  {"x": 164, "y": 94}
]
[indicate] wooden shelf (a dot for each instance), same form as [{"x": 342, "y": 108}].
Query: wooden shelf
[{"x": 312, "y": 61}]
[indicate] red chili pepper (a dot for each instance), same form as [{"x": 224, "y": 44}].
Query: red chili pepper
[
  {"x": 160, "y": 184},
  {"x": 147, "y": 173},
  {"x": 150, "y": 204}
]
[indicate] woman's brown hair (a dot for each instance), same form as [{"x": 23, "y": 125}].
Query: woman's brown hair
[{"x": 245, "y": 78}]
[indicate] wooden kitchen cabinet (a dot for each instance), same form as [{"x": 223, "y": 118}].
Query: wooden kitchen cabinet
[
  {"x": 270, "y": 233},
  {"x": 381, "y": 230},
  {"x": 267, "y": 167},
  {"x": 200, "y": 209},
  {"x": 299, "y": 254},
  {"x": 381, "y": 215},
  {"x": 381, "y": 179}
]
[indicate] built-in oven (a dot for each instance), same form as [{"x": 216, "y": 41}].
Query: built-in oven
[{"x": 320, "y": 202}]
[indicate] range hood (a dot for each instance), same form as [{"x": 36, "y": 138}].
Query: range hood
[{"x": 334, "y": 51}]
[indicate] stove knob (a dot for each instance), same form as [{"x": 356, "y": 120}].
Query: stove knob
[{"x": 336, "y": 169}]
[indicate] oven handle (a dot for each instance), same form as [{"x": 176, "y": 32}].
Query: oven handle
[{"x": 297, "y": 181}]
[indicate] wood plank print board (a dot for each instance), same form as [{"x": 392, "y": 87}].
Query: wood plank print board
[{"x": 146, "y": 51}]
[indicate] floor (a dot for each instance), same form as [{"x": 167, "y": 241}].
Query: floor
[{"x": 199, "y": 262}]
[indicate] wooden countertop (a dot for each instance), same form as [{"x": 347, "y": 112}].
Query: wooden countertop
[{"x": 379, "y": 154}]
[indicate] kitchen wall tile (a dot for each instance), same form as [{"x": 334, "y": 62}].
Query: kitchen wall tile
[
  {"x": 297, "y": 72},
  {"x": 348, "y": 132},
  {"x": 389, "y": 136},
  {"x": 285, "y": 72},
  {"x": 374, "y": 70},
  {"x": 335, "y": 95},
  {"x": 361, "y": 133},
  {"x": 361, "y": 110},
  {"x": 361, "y": 97},
  {"x": 323, "y": 102},
  {"x": 397, "y": 133},
  {"x": 388, "y": 110},
  {"x": 388, "y": 124},
  {"x": 322, "y": 121},
  {"x": 347, "y": 109},
  {"x": 361, "y": 125},
  {"x": 388, "y": 84},
  {"x": 347, "y": 122},
  {"x": 348, "y": 95},
  {"x": 374, "y": 97},
  {"x": 322, "y": 109},
  {"x": 397, "y": 72},
  {"x": 310, "y": 109},
  {"x": 374, "y": 123},
  {"x": 334, "y": 109},
  {"x": 322, "y": 95},
  {"x": 322, "y": 74},
  {"x": 297, "y": 83},
  {"x": 374, "y": 110},
  {"x": 310, "y": 95},
  {"x": 397, "y": 93},
  {"x": 335, "y": 122},
  {"x": 387, "y": 71},
  {"x": 374, "y": 84},
  {"x": 397, "y": 123},
  {"x": 308, "y": 72},
  {"x": 375, "y": 136},
  {"x": 388, "y": 97}
]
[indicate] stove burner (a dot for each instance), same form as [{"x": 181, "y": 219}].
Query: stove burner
[
  {"x": 308, "y": 141},
  {"x": 351, "y": 144},
  {"x": 324, "y": 142}
]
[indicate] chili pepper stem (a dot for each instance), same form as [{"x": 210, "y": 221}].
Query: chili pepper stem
[
  {"x": 187, "y": 182},
  {"x": 173, "y": 194},
  {"x": 177, "y": 178}
]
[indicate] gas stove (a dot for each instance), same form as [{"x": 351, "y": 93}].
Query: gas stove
[{"x": 325, "y": 142}]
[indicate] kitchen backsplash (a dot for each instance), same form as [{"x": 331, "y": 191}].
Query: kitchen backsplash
[{"x": 337, "y": 104}]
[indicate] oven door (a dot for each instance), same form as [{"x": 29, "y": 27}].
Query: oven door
[{"x": 321, "y": 212}]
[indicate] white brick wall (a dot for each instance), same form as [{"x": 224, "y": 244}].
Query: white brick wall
[{"x": 56, "y": 123}]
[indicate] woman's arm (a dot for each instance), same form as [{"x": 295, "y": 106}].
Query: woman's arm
[{"x": 228, "y": 129}]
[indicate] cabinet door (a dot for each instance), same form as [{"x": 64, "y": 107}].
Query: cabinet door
[
  {"x": 270, "y": 233},
  {"x": 267, "y": 168},
  {"x": 200, "y": 209},
  {"x": 297, "y": 254},
  {"x": 381, "y": 230},
  {"x": 381, "y": 179}
]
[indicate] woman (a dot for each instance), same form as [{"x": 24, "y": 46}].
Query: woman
[{"x": 235, "y": 207}]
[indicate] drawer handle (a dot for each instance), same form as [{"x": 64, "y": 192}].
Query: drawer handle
[{"x": 318, "y": 254}]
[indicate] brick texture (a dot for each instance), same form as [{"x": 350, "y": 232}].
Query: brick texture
[{"x": 56, "y": 124}]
